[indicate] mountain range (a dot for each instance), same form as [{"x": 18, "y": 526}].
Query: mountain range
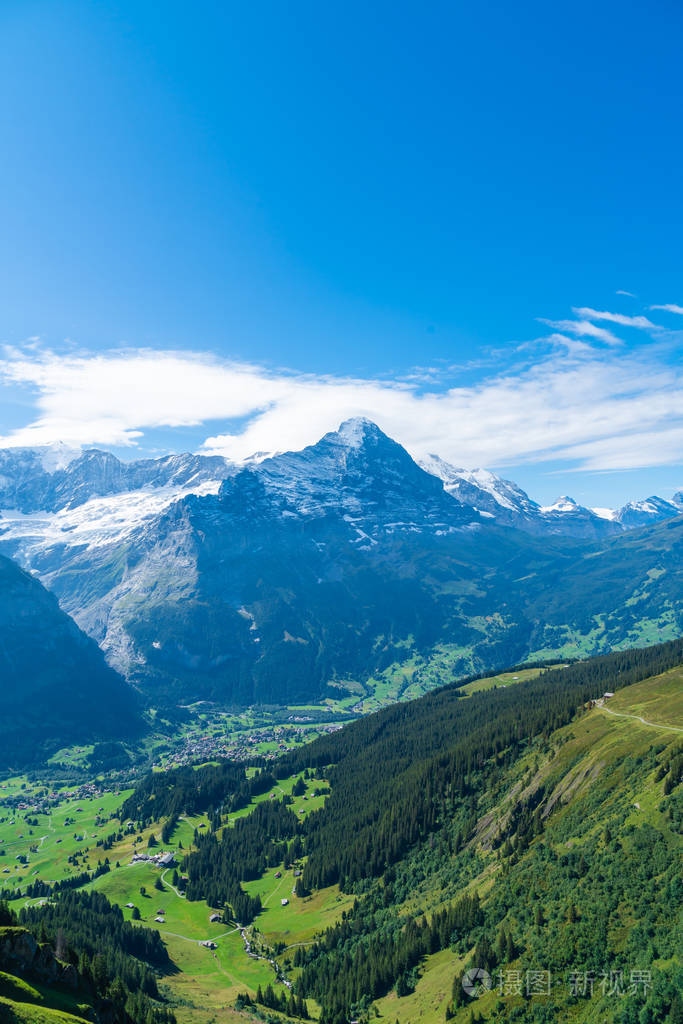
[
  {"x": 272, "y": 580},
  {"x": 57, "y": 478}
]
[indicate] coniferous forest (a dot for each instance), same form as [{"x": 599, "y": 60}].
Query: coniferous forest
[{"x": 408, "y": 790}]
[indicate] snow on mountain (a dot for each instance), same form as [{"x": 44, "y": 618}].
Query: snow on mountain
[
  {"x": 605, "y": 513},
  {"x": 480, "y": 489},
  {"x": 56, "y": 456},
  {"x": 502, "y": 500},
  {"x": 566, "y": 516},
  {"x": 55, "y": 496},
  {"x": 42, "y": 479},
  {"x": 564, "y": 504},
  {"x": 361, "y": 473},
  {"x": 95, "y": 523},
  {"x": 651, "y": 510},
  {"x": 195, "y": 572}
]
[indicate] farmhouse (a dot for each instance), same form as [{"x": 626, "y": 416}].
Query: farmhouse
[
  {"x": 214, "y": 917},
  {"x": 284, "y": 902},
  {"x": 161, "y": 859}
]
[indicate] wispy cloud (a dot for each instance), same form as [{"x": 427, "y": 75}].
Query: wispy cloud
[
  {"x": 620, "y": 291},
  {"x": 578, "y": 403},
  {"x": 670, "y": 307},
  {"x": 615, "y": 318},
  {"x": 582, "y": 329}
]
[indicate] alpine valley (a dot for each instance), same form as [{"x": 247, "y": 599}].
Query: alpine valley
[{"x": 335, "y": 736}]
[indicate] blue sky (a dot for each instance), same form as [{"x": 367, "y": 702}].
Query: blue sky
[{"x": 232, "y": 225}]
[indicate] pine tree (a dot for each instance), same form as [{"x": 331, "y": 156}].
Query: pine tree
[{"x": 100, "y": 975}]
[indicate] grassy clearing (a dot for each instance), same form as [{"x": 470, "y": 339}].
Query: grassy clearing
[
  {"x": 432, "y": 993},
  {"x": 656, "y": 700},
  {"x": 301, "y": 918},
  {"x": 71, "y": 830},
  {"x": 205, "y": 981},
  {"x": 502, "y": 679}
]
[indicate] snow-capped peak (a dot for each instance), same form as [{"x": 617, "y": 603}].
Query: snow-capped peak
[
  {"x": 354, "y": 431},
  {"x": 57, "y": 456},
  {"x": 563, "y": 504},
  {"x": 649, "y": 510}
]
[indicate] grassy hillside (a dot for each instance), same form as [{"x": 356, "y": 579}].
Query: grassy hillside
[
  {"x": 592, "y": 893},
  {"x": 523, "y": 824}
]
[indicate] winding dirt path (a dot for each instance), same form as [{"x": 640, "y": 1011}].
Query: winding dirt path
[{"x": 638, "y": 718}]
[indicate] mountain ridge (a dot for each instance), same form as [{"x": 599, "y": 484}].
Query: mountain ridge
[{"x": 55, "y": 478}]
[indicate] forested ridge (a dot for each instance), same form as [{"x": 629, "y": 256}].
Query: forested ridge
[
  {"x": 391, "y": 776},
  {"x": 558, "y": 912},
  {"x": 393, "y": 770},
  {"x": 400, "y": 776},
  {"x": 416, "y": 810}
]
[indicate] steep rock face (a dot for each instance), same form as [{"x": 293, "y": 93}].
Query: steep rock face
[
  {"x": 21, "y": 954},
  {"x": 361, "y": 474},
  {"x": 56, "y": 685}
]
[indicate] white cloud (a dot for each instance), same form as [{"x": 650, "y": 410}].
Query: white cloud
[
  {"x": 670, "y": 307},
  {"x": 620, "y": 291},
  {"x": 635, "y": 450},
  {"x": 599, "y": 407},
  {"x": 615, "y": 318},
  {"x": 583, "y": 329}
]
